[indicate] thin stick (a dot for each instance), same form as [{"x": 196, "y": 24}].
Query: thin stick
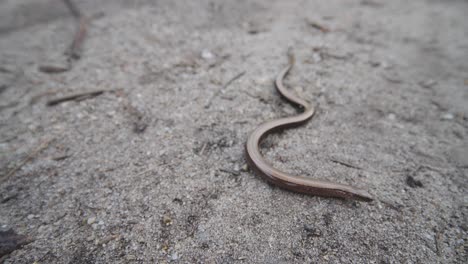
[
  {"x": 345, "y": 164},
  {"x": 31, "y": 155},
  {"x": 54, "y": 68},
  {"x": 202, "y": 149},
  {"x": 224, "y": 87},
  {"x": 318, "y": 26},
  {"x": 75, "y": 96},
  {"x": 74, "y": 52},
  {"x": 438, "y": 244}
]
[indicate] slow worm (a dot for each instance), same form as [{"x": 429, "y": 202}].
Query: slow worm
[{"x": 294, "y": 183}]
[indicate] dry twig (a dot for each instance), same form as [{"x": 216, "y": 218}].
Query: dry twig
[
  {"x": 74, "y": 51},
  {"x": 76, "y": 96},
  {"x": 346, "y": 164},
  {"x": 318, "y": 26},
  {"x": 224, "y": 87}
]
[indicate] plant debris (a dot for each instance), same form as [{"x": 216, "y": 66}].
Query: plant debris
[
  {"x": 237, "y": 76},
  {"x": 75, "y": 96},
  {"x": 318, "y": 26},
  {"x": 412, "y": 182}
]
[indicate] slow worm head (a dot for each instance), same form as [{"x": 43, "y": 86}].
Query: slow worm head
[{"x": 294, "y": 183}]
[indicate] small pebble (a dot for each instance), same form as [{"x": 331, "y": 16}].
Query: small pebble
[
  {"x": 31, "y": 216},
  {"x": 245, "y": 167},
  {"x": 91, "y": 220},
  {"x": 412, "y": 182},
  {"x": 299, "y": 89},
  {"x": 207, "y": 55},
  {"x": 167, "y": 220},
  {"x": 428, "y": 236},
  {"x": 447, "y": 116},
  {"x": 263, "y": 80},
  {"x": 174, "y": 256},
  {"x": 111, "y": 113}
]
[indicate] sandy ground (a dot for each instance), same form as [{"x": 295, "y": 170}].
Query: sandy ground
[{"x": 153, "y": 169}]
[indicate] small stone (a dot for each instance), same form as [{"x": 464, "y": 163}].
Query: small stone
[
  {"x": 31, "y": 216},
  {"x": 167, "y": 221},
  {"x": 428, "y": 236},
  {"x": 245, "y": 167},
  {"x": 412, "y": 182},
  {"x": 207, "y": 55},
  {"x": 164, "y": 248},
  {"x": 111, "y": 113},
  {"x": 299, "y": 89},
  {"x": 91, "y": 220},
  {"x": 447, "y": 116},
  {"x": 174, "y": 256},
  {"x": 391, "y": 116},
  {"x": 263, "y": 80}
]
